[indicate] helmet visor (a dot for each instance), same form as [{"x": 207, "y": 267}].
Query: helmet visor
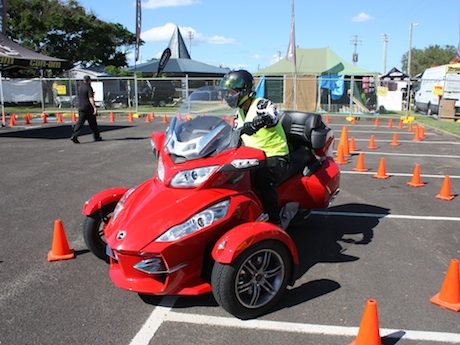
[{"x": 230, "y": 82}]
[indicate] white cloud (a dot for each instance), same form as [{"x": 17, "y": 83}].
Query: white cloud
[
  {"x": 216, "y": 39},
  {"x": 165, "y": 32},
  {"x": 159, "y": 33},
  {"x": 169, "y": 3},
  {"x": 362, "y": 17}
]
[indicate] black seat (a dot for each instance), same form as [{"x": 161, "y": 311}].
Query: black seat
[
  {"x": 298, "y": 127},
  {"x": 304, "y": 132}
]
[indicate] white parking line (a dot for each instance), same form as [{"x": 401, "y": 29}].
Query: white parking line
[
  {"x": 306, "y": 328},
  {"x": 398, "y": 174},
  {"x": 384, "y": 215},
  {"x": 163, "y": 314},
  {"x": 404, "y": 154},
  {"x": 159, "y": 314}
]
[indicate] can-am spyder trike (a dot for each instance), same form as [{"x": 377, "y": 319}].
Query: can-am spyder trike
[{"x": 197, "y": 226}]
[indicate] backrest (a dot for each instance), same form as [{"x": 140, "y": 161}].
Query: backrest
[{"x": 298, "y": 127}]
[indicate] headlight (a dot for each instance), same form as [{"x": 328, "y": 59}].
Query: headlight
[
  {"x": 192, "y": 178},
  {"x": 161, "y": 170},
  {"x": 197, "y": 222},
  {"x": 120, "y": 204}
]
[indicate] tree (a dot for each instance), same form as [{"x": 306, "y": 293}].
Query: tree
[
  {"x": 423, "y": 59},
  {"x": 63, "y": 29}
]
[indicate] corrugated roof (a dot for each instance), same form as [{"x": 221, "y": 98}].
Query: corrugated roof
[
  {"x": 181, "y": 67},
  {"x": 180, "y": 63}
]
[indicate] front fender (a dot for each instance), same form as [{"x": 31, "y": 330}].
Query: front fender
[
  {"x": 241, "y": 237},
  {"x": 103, "y": 198}
]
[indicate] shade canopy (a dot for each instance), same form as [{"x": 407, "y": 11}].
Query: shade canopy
[
  {"x": 314, "y": 62},
  {"x": 14, "y": 56}
]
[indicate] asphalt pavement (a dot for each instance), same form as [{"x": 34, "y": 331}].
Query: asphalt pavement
[{"x": 380, "y": 240}]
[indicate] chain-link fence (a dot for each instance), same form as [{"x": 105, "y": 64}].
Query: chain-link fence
[{"x": 332, "y": 94}]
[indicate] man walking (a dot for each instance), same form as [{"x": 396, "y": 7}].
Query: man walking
[{"x": 86, "y": 110}]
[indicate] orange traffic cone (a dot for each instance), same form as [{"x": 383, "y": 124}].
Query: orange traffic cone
[
  {"x": 28, "y": 119},
  {"x": 390, "y": 123},
  {"x": 449, "y": 295},
  {"x": 417, "y": 133},
  {"x": 352, "y": 144},
  {"x": 422, "y": 132},
  {"x": 12, "y": 120},
  {"x": 60, "y": 249},
  {"x": 147, "y": 118},
  {"x": 382, "y": 172},
  {"x": 340, "y": 155},
  {"x": 372, "y": 143},
  {"x": 400, "y": 126},
  {"x": 328, "y": 119},
  {"x": 112, "y": 117},
  {"x": 344, "y": 141},
  {"x": 395, "y": 140},
  {"x": 411, "y": 127},
  {"x": 45, "y": 119},
  {"x": 153, "y": 115},
  {"x": 74, "y": 117},
  {"x": 444, "y": 194},
  {"x": 130, "y": 117},
  {"x": 360, "y": 164},
  {"x": 354, "y": 120},
  {"x": 416, "y": 181},
  {"x": 376, "y": 123},
  {"x": 369, "y": 331},
  {"x": 59, "y": 117},
  {"x": 165, "y": 119}
]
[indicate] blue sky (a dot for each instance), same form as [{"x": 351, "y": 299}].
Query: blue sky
[{"x": 253, "y": 34}]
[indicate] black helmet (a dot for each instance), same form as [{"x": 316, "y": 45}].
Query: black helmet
[{"x": 242, "y": 82}]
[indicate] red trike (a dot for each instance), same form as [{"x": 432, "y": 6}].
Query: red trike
[{"x": 197, "y": 226}]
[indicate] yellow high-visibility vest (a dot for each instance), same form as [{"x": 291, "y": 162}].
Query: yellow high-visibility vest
[{"x": 271, "y": 140}]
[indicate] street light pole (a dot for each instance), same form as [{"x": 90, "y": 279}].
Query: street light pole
[{"x": 409, "y": 56}]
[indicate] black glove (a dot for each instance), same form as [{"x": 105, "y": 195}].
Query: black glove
[{"x": 248, "y": 128}]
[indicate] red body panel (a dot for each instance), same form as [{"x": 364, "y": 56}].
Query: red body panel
[
  {"x": 103, "y": 198},
  {"x": 313, "y": 191},
  {"x": 240, "y": 238}
]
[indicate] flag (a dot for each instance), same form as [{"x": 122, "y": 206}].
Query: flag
[
  {"x": 458, "y": 46},
  {"x": 138, "y": 27},
  {"x": 3, "y": 16},
  {"x": 290, "y": 56}
]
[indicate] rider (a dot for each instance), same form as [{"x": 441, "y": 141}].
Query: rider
[{"x": 259, "y": 122}]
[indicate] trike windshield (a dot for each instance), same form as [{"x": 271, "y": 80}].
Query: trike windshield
[{"x": 203, "y": 126}]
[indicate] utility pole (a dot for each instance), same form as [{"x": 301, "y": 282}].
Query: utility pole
[
  {"x": 190, "y": 37},
  {"x": 279, "y": 55},
  {"x": 385, "y": 39},
  {"x": 409, "y": 56},
  {"x": 355, "y": 42}
]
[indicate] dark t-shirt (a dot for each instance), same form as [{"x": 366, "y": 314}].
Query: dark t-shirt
[{"x": 85, "y": 92}]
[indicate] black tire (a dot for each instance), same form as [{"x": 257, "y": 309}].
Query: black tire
[
  {"x": 93, "y": 230},
  {"x": 264, "y": 269},
  {"x": 429, "y": 112}
]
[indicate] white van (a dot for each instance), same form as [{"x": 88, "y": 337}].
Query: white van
[{"x": 438, "y": 82}]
